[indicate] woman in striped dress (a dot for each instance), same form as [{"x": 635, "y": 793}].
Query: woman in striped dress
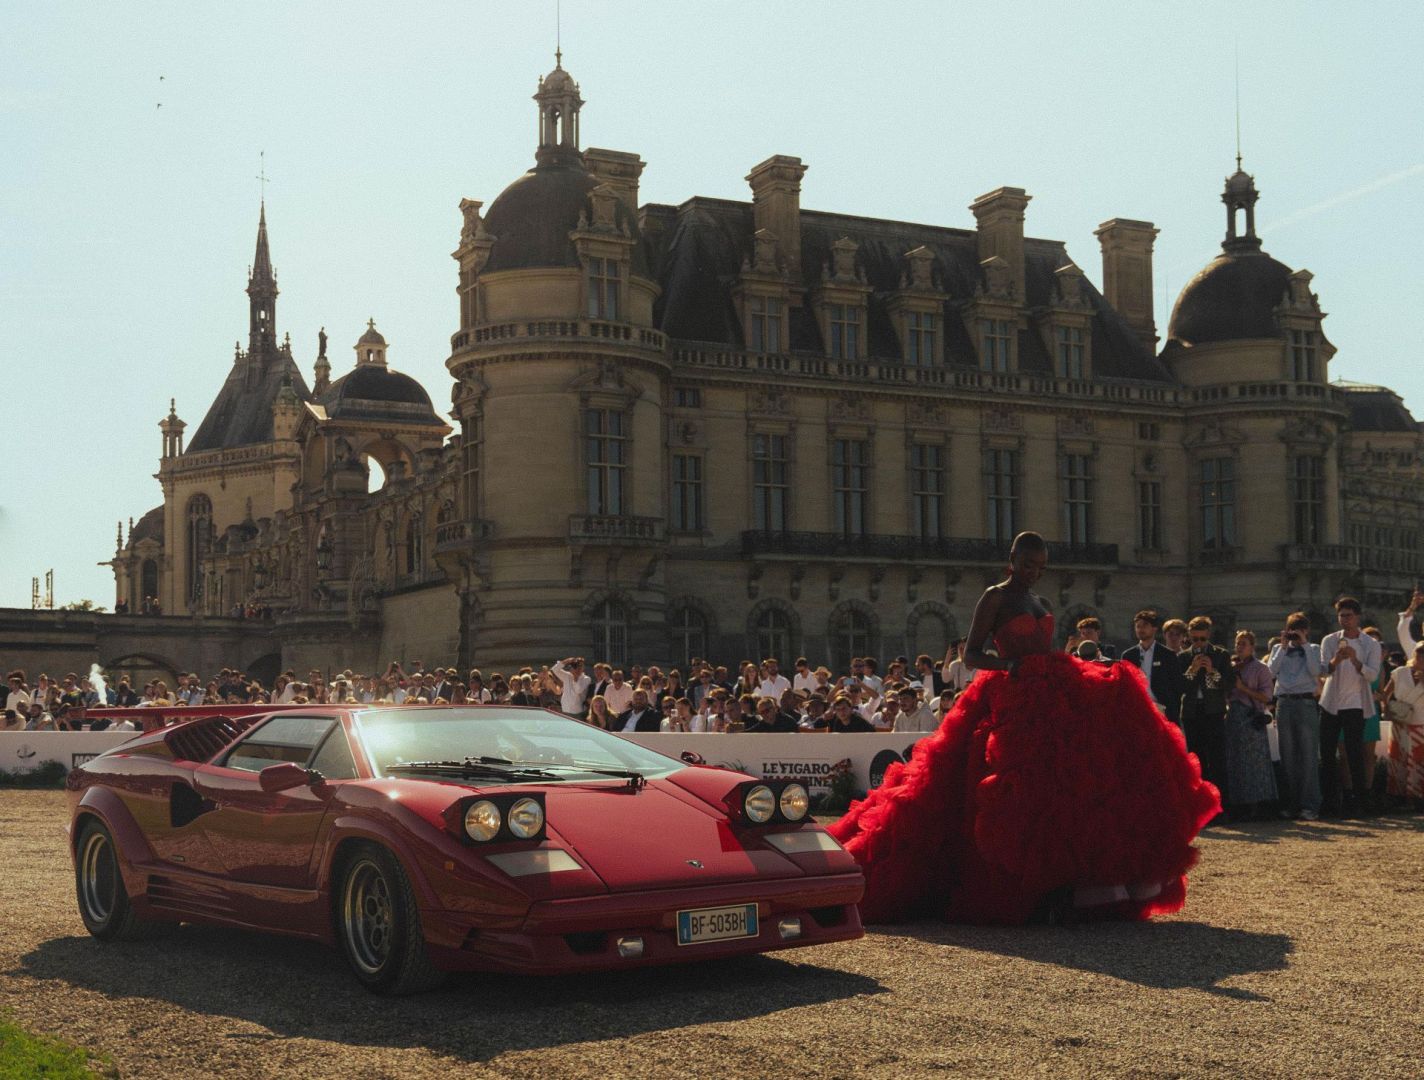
[{"x": 1406, "y": 756}]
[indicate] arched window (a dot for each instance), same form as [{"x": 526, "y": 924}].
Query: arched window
[
  {"x": 773, "y": 635},
  {"x": 931, "y": 635},
  {"x": 148, "y": 578},
  {"x": 852, "y": 635},
  {"x": 688, "y": 631},
  {"x": 415, "y": 544},
  {"x": 199, "y": 540},
  {"x": 610, "y": 633}
]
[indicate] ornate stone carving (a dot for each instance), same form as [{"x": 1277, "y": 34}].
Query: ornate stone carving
[
  {"x": 754, "y": 574},
  {"x": 1304, "y": 430},
  {"x": 923, "y": 413},
  {"x": 1072, "y": 288},
  {"x": 1076, "y": 424},
  {"x": 474, "y": 226},
  {"x": 842, "y": 267},
  {"x": 1214, "y": 432},
  {"x": 849, "y": 407},
  {"x": 999, "y": 419},
  {"x": 921, "y": 275},
  {"x": 798, "y": 574},
  {"x": 998, "y": 281},
  {"x": 769, "y": 402},
  {"x": 766, "y": 246},
  {"x": 877, "y": 575},
  {"x": 1299, "y": 297}
]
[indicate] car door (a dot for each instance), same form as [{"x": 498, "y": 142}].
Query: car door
[{"x": 259, "y": 837}]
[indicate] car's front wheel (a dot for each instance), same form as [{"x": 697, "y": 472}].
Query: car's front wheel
[
  {"x": 99, "y": 886},
  {"x": 378, "y": 923}
]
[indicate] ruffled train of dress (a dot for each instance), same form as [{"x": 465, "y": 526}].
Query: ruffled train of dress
[{"x": 1061, "y": 776}]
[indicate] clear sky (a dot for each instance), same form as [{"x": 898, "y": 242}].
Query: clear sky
[{"x": 126, "y": 228}]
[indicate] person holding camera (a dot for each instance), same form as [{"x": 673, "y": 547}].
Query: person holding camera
[
  {"x": 1351, "y": 660},
  {"x": 1249, "y": 776},
  {"x": 1210, "y": 679},
  {"x": 1295, "y": 663}
]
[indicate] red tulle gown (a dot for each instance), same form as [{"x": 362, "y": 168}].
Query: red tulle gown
[{"x": 1060, "y": 779}]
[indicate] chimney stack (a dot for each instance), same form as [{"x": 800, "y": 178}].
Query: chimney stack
[
  {"x": 1000, "y": 219},
  {"x": 776, "y": 205},
  {"x": 620, "y": 171},
  {"x": 1127, "y": 273}
]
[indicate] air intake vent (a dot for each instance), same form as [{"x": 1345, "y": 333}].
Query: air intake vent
[
  {"x": 200, "y": 740},
  {"x": 187, "y": 896}
]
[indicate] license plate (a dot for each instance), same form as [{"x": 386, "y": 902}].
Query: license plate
[{"x": 716, "y": 924}]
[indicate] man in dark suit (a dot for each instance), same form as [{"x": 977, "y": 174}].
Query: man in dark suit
[
  {"x": 638, "y": 716},
  {"x": 1160, "y": 666},
  {"x": 772, "y": 719},
  {"x": 1209, "y": 679}
]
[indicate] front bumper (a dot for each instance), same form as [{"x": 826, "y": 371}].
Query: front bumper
[{"x": 581, "y": 934}]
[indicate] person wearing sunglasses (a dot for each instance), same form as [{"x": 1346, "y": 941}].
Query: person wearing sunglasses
[{"x": 1210, "y": 678}]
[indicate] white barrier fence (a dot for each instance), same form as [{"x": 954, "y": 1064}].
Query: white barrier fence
[{"x": 806, "y": 758}]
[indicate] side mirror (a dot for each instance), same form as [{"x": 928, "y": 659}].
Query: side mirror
[
  {"x": 692, "y": 757},
  {"x": 282, "y": 777}
]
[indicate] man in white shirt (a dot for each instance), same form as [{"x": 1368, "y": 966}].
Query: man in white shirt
[
  {"x": 773, "y": 683},
  {"x": 1351, "y": 660},
  {"x": 959, "y": 674},
  {"x": 17, "y": 701},
  {"x": 1405, "y": 629},
  {"x": 805, "y": 679},
  {"x": 575, "y": 683},
  {"x": 915, "y": 715},
  {"x": 617, "y": 694}
]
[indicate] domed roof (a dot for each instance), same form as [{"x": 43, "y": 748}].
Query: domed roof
[
  {"x": 532, "y": 218},
  {"x": 1240, "y": 183},
  {"x": 1234, "y": 296},
  {"x": 149, "y": 527},
  {"x": 375, "y": 392},
  {"x": 557, "y": 80}
]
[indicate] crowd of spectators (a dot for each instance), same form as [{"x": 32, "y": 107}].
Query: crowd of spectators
[{"x": 1294, "y": 728}]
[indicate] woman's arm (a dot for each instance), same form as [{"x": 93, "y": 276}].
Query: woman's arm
[{"x": 985, "y": 614}]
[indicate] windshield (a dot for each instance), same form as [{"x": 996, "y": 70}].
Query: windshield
[{"x": 396, "y": 736}]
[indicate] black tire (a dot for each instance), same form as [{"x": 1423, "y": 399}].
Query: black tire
[
  {"x": 99, "y": 887},
  {"x": 378, "y": 925}
]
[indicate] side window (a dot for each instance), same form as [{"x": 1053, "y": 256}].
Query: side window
[
  {"x": 283, "y": 738},
  {"x": 334, "y": 760}
]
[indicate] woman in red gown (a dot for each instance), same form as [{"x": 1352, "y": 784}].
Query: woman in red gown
[{"x": 1053, "y": 789}]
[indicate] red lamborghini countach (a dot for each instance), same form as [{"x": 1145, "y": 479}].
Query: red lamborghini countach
[{"x": 433, "y": 839}]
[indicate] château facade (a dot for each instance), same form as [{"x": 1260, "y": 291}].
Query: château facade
[{"x": 746, "y": 428}]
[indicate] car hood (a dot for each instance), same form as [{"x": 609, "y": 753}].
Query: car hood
[{"x": 656, "y": 837}]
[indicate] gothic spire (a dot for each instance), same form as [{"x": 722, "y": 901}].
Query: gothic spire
[{"x": 262, "y": 299}]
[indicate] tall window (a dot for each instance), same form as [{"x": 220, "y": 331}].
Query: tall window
[
  {"x": 1001, "y": 484},
  {"x": 920, "y": 334},
  {"x": 1218, "y": 502},
  {"x": 610, "y": 632},
  {"x": 845, "y": 331},
  {"x": 931, "y": 634},
  {"x": 200, "y": 534},
  {"x": 853, "y": 633},
  {"x": 769, "y": 486},
  {"x": 689, "y": 634},
  {"x": 1303, "y": 352},
  {"x": 927, "y": 490},
  {"x": 773, "y": 634},
  {"x": 850, "y": 481},
  {"x": 687, "y": 493},
  {"x": 1149, "y": 515},
  {"x": 1309, "y": 498},
  {"x": 1077, "y": 498},
  {"x": 603, "y": 288},
  {"x": 995, "y": 341},
  {"x": 415, "y": 544},
  {"x": 1071, "y": 352},
  {"x": 148, "y": 582},
  {"x": 767, "y": 314},
  {"x": 607, "y": 458}
]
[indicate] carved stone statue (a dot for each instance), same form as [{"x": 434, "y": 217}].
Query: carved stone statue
[{"x": 321, "y": 343}]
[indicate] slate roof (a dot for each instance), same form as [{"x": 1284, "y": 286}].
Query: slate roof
[
  {"x": 696, "y": 252},
  {"x": 149, "y": 527},
  {"x": 532, "y": 218},
  {"x": 375, "y": 392},
  {"x": 1376, "y": 408},
  {"x": 241, "y": 415}
]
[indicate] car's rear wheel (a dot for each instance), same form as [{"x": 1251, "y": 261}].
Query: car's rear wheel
[
  {"x": 99, "y": 886},
  {"x": 378, "y": 923}
]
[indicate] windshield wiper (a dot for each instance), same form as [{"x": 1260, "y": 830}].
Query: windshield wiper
[
  {"x": 635, "y": 779},
  {"x": 491, "y": 767}
]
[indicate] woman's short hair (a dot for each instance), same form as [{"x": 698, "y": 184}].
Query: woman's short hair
[{"x": 1247, "y": 635}]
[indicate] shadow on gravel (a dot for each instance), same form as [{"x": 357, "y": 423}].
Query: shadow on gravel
[
  {"x": 300, "y": 989},
  {"x": 1273, "y": 832},
  {"x": 1165, "y": 955}
]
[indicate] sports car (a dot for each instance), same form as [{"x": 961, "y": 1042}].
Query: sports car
[{"x": 433, "y": 839}]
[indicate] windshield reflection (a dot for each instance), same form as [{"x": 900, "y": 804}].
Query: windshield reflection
[{"x": 397, "y": 736}]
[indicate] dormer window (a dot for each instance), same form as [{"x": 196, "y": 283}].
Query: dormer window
[
  {"x": 996, "y": 344},
  {"x": 766, "y": 315},
  {"x": 1304, "y": 347},
  {"x": 603, "y": 288},
  {"x": 844, "y": 324},
  {"x": 921, "y": 338},
  {"x": 1072, "y": 353}
]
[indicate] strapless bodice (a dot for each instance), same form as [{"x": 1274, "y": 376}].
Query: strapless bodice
[{"x": 1024, "y": 635}]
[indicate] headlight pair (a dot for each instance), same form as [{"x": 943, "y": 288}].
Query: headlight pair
[
  {"x": 503, "y": 817},
  {"x": 763, "y": 801}
]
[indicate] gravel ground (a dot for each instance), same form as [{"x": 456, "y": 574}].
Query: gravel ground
[{"x": 1300, "y": 954}]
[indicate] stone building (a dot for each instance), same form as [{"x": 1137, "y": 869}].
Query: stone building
[{"x": 745, "y": 428}]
